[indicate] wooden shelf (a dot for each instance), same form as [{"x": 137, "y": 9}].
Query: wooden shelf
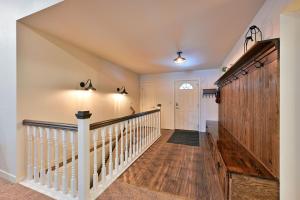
[
  {"x": 236, "y": 158},
  {"x": 250, "y": 56}
]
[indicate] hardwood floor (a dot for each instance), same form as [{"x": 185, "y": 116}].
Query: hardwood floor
[
  {"x": 14, "y": 191},
  {"x": 169, "y": 171},
  {"x": 166, "y": 171}
]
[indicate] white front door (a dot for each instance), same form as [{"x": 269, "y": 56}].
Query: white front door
[{"x": 187, "y": 105}]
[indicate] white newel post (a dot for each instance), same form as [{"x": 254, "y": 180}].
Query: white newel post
[
  {"x": 159, "y": 119},
  {"x": 83, "y": 118}
]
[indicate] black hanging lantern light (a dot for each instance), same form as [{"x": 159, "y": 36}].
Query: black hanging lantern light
[{"x": 253, "y": 34}]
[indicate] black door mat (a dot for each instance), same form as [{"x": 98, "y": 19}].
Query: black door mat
[{"x": 185, "y": 137}]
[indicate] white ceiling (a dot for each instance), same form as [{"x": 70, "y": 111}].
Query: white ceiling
[{"x": 144, "y": 35}]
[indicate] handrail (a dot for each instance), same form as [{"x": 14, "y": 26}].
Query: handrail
[
  {"x": 73, "y": 127},
  {"x": 54, "y": 125},
  {"x": 117, "y": 120}
]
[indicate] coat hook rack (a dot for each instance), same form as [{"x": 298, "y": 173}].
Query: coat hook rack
[
  {"x": 258, "y": 64},
  {"x": 209, "y": 92}
]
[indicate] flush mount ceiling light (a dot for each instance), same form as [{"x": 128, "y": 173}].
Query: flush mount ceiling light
[
  {"x": 179, "y": 59},
  {"x": 122, "y": 90},
  {"x": 87, "y": 85}
]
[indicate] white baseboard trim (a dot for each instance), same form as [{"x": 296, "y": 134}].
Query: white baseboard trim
[
  {"x": 8, "y": 176},
  {"x": 50, "y": 192}
]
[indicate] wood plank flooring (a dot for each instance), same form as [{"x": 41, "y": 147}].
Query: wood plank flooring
[
  {"x": 14, "y": 191},
  {"x": 169, "y": 171}
]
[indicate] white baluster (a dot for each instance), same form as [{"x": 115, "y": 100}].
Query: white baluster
[
  {"x": 137, "y": 136},
  {"x": 29, "y": 154},
  {"x": 42, "y": 171},
  {"x": 35, "y": 156},
  {"x": 103, "y": 170},
  {"x": 64, "y": 169},
  {"x": 56, "y": 157},
  {"x": 73, "y": 170},
  {"x": 156, "y": 124},
  {"x": 140, "y": 120},
  {"x": 110, "y": 165},
  {"x": 159, "y": 123},
  {"x": 142, "y": 131},
  {"x": 95, "y": 174},
  {"x": 130, "y": 139},
  {"x": 134, "y": 138},
  {"x": 151, "y": 116},
  {"x": 146, "y": 129},
  {"x": 126, "y": 142},
  {"x": 122, "y": 146},
  {"x": 117, "y": 150},
  {"x": 148, "y": 126},
  {"x": 49, "y": 150}
]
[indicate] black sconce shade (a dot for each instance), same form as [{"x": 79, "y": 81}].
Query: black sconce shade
[
  {"x": 87, "y": 85},
  {"x": 122, "y": 90}
]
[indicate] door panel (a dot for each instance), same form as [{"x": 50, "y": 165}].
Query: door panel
[
  {"x": 187, "y": 105},
  {"x": 148, "y": 94}
]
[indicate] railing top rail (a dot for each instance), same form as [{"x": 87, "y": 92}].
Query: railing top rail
[
  {"x": 117, "y": 120},
  {"x": 73, "y": 127},
  {"x": 53, "y": 125}
]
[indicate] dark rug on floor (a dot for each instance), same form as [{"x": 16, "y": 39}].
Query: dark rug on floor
[{"x": 185, "y": 137}]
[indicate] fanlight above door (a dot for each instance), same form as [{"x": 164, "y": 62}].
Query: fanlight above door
[{"x": 186, "y": 86}]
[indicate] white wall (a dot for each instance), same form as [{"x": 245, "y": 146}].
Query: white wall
[
  {"x": 10, "y": 11},
  {"x": 165, "y": 93},
  {"x": 289, "y": 106},
  {"x": 49, "y": 71},
  {"x": 267, "y": 19}
]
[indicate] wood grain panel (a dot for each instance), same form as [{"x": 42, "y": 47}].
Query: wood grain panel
[
  {"x": 249, "y": 109},
  {"x": 251, "y": 188},
  {"x": 182, "y": 170}
]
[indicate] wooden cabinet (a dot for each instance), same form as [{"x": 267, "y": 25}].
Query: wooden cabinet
[
  {"x": 249, "y": 102},
  {"x": 241, "y": 175}
]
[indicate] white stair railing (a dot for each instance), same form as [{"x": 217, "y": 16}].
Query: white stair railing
[
  {"x": 123, "y": 140},
  {"x": 67, "y": 161},
  {"x": 51, "y": 163}
]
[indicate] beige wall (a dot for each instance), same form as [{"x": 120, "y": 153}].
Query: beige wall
[
  {"x": 10, "y": 12},
  {"x": 289, "y": 103},
  {"x": 48, "y": 75},
  {"x": 165, "y": 94},
  {"x": 268, "y": 20}
]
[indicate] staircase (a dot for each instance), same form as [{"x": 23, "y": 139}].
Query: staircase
[{"x": 79, "y": 161}]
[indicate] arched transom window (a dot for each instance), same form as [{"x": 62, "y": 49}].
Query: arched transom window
[{"x": 186, "y": 86}]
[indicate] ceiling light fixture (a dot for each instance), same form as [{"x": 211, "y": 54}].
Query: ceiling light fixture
[{"x": 179, "y": 59}]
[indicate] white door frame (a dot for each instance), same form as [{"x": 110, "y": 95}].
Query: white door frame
[{"x": 198, "y": 107}]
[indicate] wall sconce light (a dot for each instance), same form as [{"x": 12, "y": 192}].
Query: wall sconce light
[
  {"x": 122, "y": 90},
  {"x": 87, "y": 85}
]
